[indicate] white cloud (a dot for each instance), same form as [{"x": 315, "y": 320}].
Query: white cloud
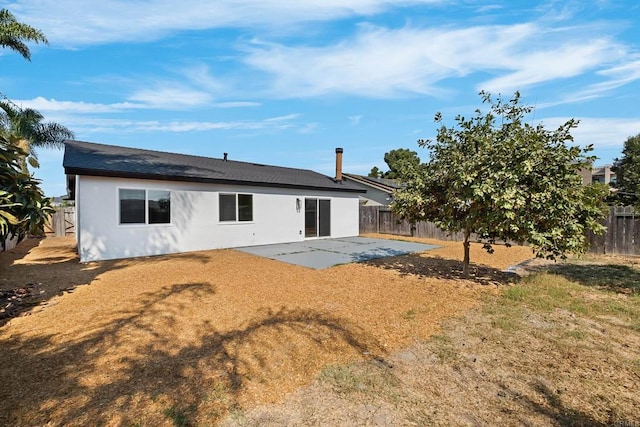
[
  {"x": 489, "y": 8},
  {"x": 168, "y": 96},
  {"x": 201, "y": 77},
  {"x": 286, "y": 118},
  {"x": 191, "y": 87},
  {"x": 83, "y": 125},
  {"x": 355, "y": 120},
  {"x": 562, "y": 62},
  {"x": 53, "y": 105},
  {"x": 44, "y": 105},
  {"x": 79, "y": 22},
  {"x": 373, "y": 62},
  {"x": 236, "y": 104},
  {"x": 309, "y": 128},
  {"x": 380, "y": 62},
  {"x": 601, "y": 132},
  {"x": 617, "y": 76}
]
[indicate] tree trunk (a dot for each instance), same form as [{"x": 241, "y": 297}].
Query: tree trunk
[{"x": 465, "y": 261}]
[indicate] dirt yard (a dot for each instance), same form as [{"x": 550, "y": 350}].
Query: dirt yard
[
  {"x": 559, "y": 348},
  {"x": 191, "y": 338}
]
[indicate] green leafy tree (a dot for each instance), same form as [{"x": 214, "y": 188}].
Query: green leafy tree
[
  {"x": 375, "y": 173},
  {"x": 25, "y": 129},
  {"x": 501, "y": 178},
  {"x": 24, "y": 209},
  {"x": 627, "y": 171},
  {"x": 399, "y": 160},
  {"x": 7, "y": 218},
  {"x": 14, "y": 34}
]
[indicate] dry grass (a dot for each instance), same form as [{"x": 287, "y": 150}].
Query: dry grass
[
  {"x": 546, "y": 351},
  {"x": 187, "y": 338}
]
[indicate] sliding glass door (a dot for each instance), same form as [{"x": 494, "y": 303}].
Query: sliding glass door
[{"x": 317, "y": 218}]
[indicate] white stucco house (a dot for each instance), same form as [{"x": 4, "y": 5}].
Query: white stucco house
[{"x": 132, "y": 202}]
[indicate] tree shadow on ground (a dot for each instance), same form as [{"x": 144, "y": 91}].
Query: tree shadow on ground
[
  {"x": 39, "y": 269},
  {"x": 115, "y": 372},
  {"x": 616, "y": 278},
  {"x": 23, "y": 248},
  {"x": 555, "y": 410},
  {"x": 440, "y": 268},
  {"x": 32, "y": 273}
]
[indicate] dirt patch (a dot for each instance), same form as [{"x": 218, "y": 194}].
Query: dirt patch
[
  {"x": 192, "y": 336},
  {"x": 546, "y": 352}
]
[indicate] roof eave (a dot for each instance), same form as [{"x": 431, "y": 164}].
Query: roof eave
[{"x": 180, "y": 178}]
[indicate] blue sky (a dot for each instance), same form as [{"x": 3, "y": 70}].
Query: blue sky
[{"x": 284, "y": 83}]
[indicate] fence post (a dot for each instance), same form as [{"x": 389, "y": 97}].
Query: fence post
[{"x": 58, "y": 222}]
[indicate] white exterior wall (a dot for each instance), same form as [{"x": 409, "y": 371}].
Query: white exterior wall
[{"x": 194, "y": 218}]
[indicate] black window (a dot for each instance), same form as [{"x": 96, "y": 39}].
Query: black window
[
  {"x": 227, "y": 207},
  {"x": 236, "y": 207},
  {"x": 132, "y": 206},
  {"x": 159, "y": 206},
  {"x": 245, "y": 207}
]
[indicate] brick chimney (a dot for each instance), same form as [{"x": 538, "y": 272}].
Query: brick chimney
[{"x": 339, "y": 164}]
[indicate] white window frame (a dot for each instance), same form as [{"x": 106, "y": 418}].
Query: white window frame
[
  {"x": 237, "y": 207},
  {"x": 146, "y": 208}
]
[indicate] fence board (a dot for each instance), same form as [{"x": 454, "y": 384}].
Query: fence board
[
  {"x": 368, "y": 219},
  {"x": 622, "y": 236},
  {"x": 63, "y": 221}
]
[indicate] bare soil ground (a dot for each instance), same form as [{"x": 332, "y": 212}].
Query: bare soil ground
[
  {"x": 223, "y": 337},
  {"x": 191, "y": 338},
  {"x": 560, "y": 348}
]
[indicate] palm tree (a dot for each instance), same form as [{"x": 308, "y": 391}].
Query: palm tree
[
  {"x": 25, "y": 129},
  {"x": 13, "y": 34}
]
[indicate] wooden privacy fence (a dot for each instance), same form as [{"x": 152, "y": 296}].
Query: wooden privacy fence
[
  {"x": 379, "y": 219},
  {"x": 62, "y": 221},
  {"x": 621, "y": 238}
]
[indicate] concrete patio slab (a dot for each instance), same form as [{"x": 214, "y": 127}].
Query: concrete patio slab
[
  {"x": 359, "y": 240},
  {"x": 324, "y": 253},
  {"x": 316, "y": 259},
  {"x": 269, "y": 251},
  {"x": 327, "y": 244}
]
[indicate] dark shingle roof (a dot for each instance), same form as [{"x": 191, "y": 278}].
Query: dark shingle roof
[
  {"x": 380, "y": 183},
  {"x": 86, "y": 158}
]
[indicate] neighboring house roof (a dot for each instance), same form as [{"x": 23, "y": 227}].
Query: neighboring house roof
[
  {"x": 388, "y": 185},
  {"x": 86, "y": 158}
]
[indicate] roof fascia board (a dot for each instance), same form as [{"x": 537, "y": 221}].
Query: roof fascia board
[{"x": 133, "y": 175}]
